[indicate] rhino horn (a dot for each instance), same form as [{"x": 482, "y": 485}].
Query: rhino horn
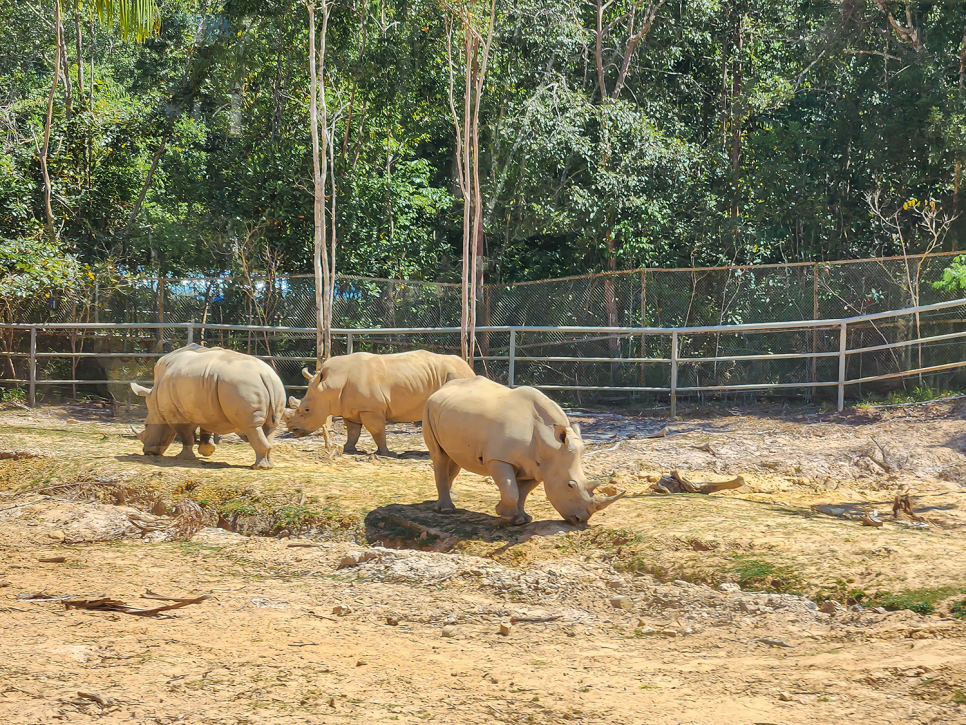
[
  {"x": 306, "y": 374},
  {"x": 602, "y": 502},
  {"x": 136, "y": 434},
  {"x": 293, "y": 402},
  {"x": 140, "y": 390}
]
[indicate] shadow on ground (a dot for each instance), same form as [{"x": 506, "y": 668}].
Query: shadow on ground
[{"x": 418, "y": 526}]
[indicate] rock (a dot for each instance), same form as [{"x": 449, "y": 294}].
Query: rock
[
  {"x": 283, "y": 534},
  {"x": 647, "y": 631},
  {"x": 360, "y": 663},
  {"x": 608, "y": 489},
  {"x": 879, "y": 610},
  {"x": 392, "y": 621},
  {"x": 449, "y": 631},
  {"x": 669, "y": 633},
  {"x": 680, "y": 583},
  {"x": 856, "y": 608},
  {"x": 785, "y": 697},
  {"x": 616, "y": 584},
  {"x": 811, "y": 605},
  {"x": 729, "y": 587},
  {"x": 341, "y": 611},
  {"x": 354, "y": 558},
  {"x": 57, "y": 535},
  {"x": 72, "y": 420},
  {"x": 621, "y": 602},
  {"x": 504, "y": 629},
  {"x": 830, "y": 606},
  {"x": 332, "y": 702}
]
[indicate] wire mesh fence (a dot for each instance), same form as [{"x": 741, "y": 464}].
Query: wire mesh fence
[{"x": 633, "y": 363}]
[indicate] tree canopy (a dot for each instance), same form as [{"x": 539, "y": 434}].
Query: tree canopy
[{"x": 613, "y": 134}]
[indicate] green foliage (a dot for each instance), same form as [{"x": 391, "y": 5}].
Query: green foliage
[
  {"x": 668, "y": 163},
  {"x": 30, "y": 267},
  {"x": 10, "y": 395},
  {"x": 954, "y": 276},
  {"x": 959, "y": 609}
]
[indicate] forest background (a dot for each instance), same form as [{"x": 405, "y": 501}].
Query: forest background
[{"x": 612, "y": 135}]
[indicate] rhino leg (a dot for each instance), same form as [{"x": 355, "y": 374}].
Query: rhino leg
[
  {"x": 186, "y": 434},
  {"x": 445, "y": 469},
  {"x": 509, "y": 507},
  {"x": 205, "y": 445},
  {"x": 263, "y": 448},
  {"x": 375, "y": 423},
  {"x": 525, "y": 487},
  {"x": 352, "y": 432}
]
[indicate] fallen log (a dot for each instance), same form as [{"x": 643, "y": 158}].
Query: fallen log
[
  {"x": 677, "y": 483},
  {"x": 106, "y": 604}
]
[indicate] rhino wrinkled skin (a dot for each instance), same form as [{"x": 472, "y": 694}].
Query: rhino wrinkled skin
[
  {"x": 372, "y": 390},
  {"x": 221, "y": 391},
  {"x": 517, "y": 436}
]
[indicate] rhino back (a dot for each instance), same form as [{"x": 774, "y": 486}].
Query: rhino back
[
  {"x": 477, "y": 421},
  {"x": 397, "y": 385},
  {"x": 218, "y": 389}
]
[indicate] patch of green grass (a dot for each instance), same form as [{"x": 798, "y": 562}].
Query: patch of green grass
[
  {"x": 959, "y": 697},
  {"x": 959, "y": 609},
  {"x": 238, "y": 507},
  {"x": 763, "y": 575},
  {"x": 920, "y": 601},
  {"x": 919, "y": 394}
]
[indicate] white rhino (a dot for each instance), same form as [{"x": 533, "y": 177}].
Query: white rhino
[
  {"x": 370, "y": 390},
  {"x": 222, "y": 391},
  {"x": 519, "y": 437}
]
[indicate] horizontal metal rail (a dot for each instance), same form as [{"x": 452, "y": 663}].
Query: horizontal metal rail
[{"x": 598, "y": 333}]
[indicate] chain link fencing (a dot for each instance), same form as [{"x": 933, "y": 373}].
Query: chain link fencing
[{"x": 645, "y": 298}]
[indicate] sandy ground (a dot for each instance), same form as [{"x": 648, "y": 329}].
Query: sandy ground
[{"x": 289, "y": 636}]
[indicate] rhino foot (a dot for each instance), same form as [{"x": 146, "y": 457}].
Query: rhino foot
[
  {"x": 206, "y": 449},
  {"x": 350, "y": 450},
  {"x": 387, "y": 454},
  {"x": 263, "y": 464},
  {"x": 445, "y": 509}
]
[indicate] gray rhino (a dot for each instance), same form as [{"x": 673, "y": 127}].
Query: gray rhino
[
  {"x": 371, "y": 390},
  {"x": 519, "y": 437},
  {"x": 222, "y": 391}
]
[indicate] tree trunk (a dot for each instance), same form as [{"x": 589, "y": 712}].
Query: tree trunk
[
  {"x": 610, "y": 294},
  {"x": 319, "y": 173},
  {"x": 145, "y": 186},
  {"x": 80, "y": 54},
  {"x": 48, "y": 210}
]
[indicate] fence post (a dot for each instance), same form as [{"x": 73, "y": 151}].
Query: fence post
[
  {"x": 32, "y": 367},
  {"x": 815, "y": 271},
  {"x": 97, "y": 302},
  {"x": 189, "y": 333},
  {"x": 674, "y": 373},
  {"x": 843, "y": 341},
  {"x": 348, "y": 343},
  {"x": 511, "y": 367}
]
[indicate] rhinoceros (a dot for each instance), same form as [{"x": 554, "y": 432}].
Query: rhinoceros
[
  {"x": 222, "y": 391},
  {"x": 519, "y": 437},
  {"x": 370, "y": 390}
]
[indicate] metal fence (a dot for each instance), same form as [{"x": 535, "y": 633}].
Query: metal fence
[
  {"x": 602, "y": 335},
  {"x": 803, "y": 356}
]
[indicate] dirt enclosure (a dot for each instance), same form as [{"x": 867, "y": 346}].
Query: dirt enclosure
[{"x": 337, "y": 595}]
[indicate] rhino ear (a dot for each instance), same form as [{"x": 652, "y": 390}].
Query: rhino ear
[
  {"x": 306, "y": 374},
  {"x": 560, "y": 433},
  {"x": 293, "y": 402},
  {"x": 140, "y": 390},
  {"x": 576, "y": 427}
]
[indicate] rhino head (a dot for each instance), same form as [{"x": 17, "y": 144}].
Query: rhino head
[
  {"x": 314, "y": 410},
  {"x": 157, "y": 435},
  {"x": 564, "y": 482}
]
